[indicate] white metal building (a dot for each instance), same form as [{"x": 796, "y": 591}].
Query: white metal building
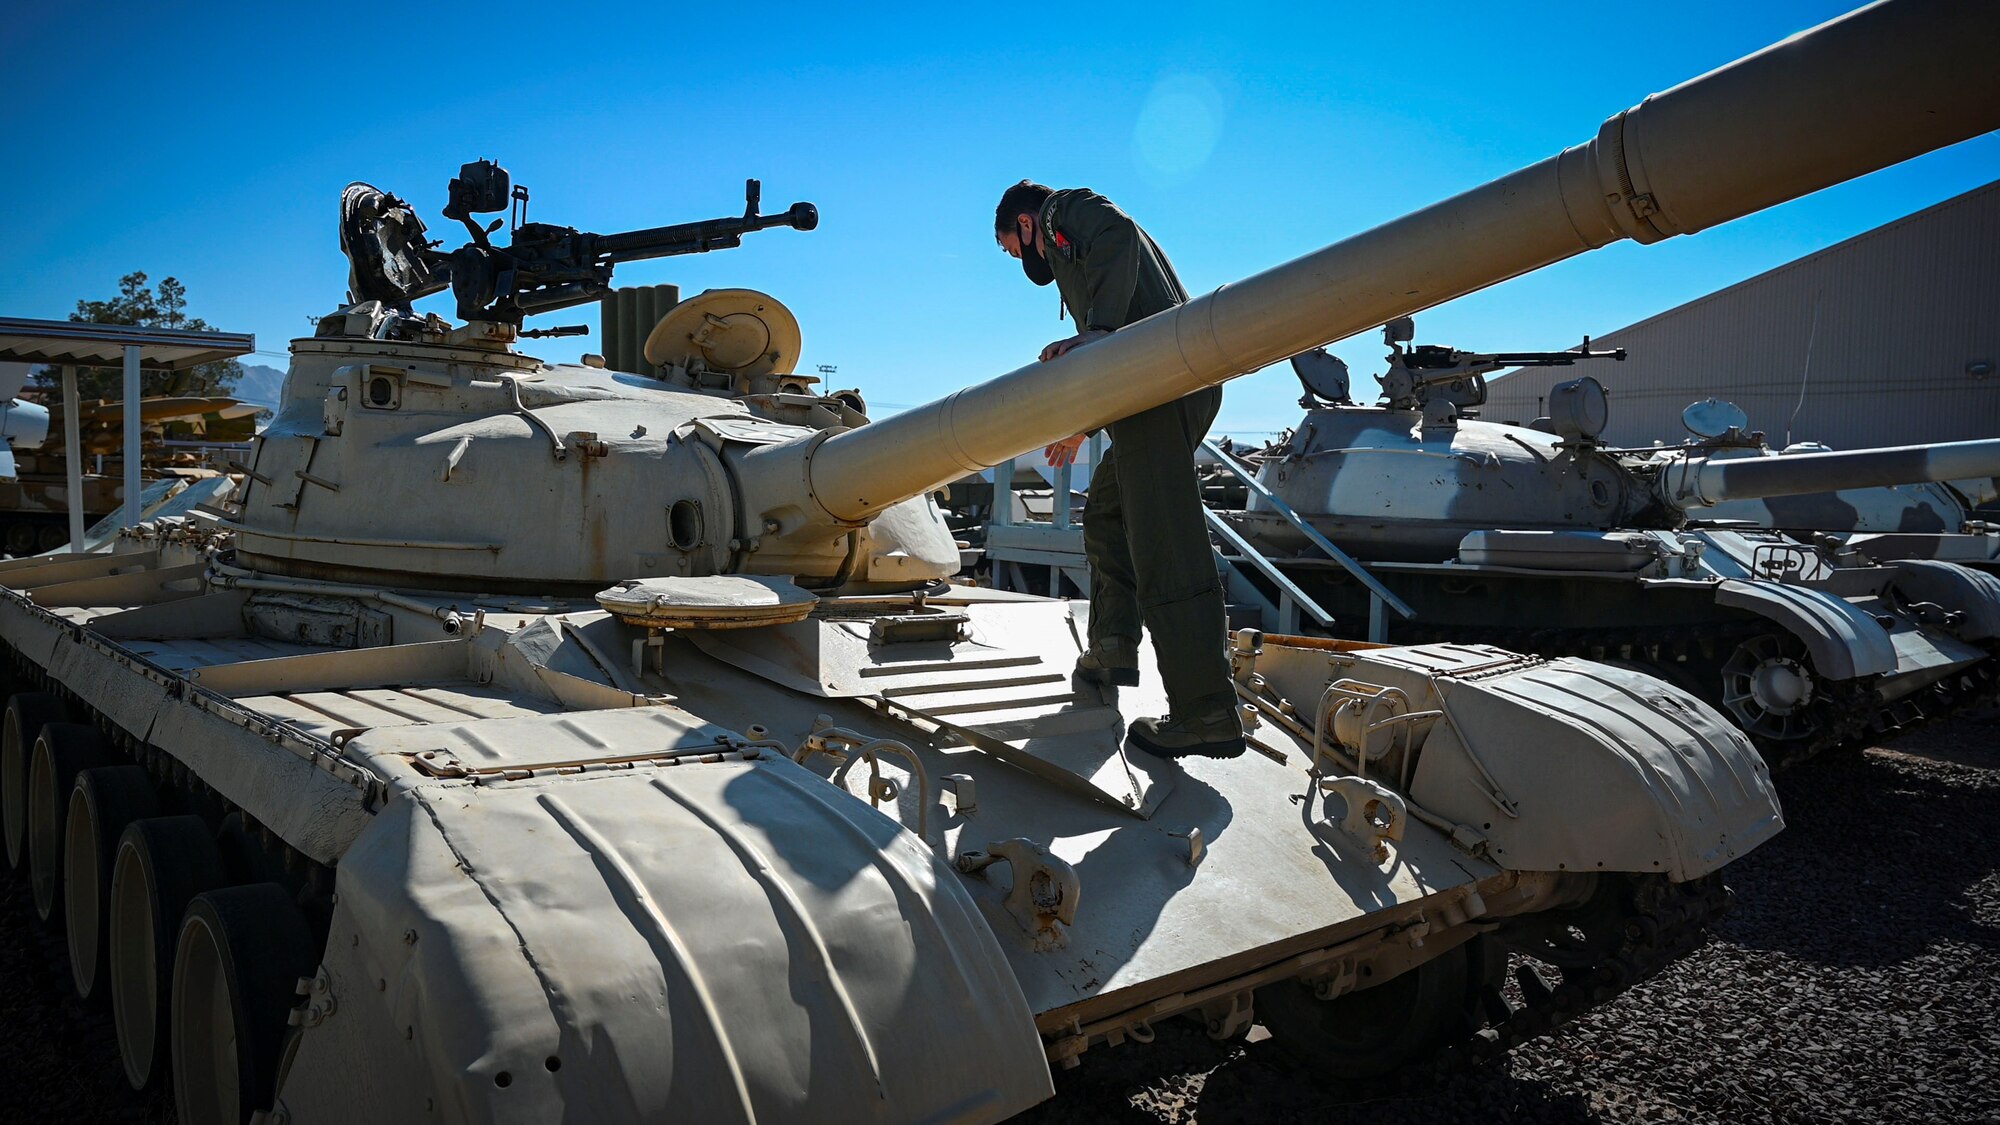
[{"x": 1892, "y": 336}]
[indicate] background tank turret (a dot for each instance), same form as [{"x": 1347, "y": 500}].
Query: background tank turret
[
  {"x": 1546, "y": 540},
  {"x": 541, "y": 741}
]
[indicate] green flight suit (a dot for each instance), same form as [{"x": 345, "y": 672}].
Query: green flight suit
[{"x": 1143, "y": 530}]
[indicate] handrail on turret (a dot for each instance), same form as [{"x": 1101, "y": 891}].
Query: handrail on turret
[{"x": 1286, "y": 587}]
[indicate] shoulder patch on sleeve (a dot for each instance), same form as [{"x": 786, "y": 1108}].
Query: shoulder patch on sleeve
[{"x": 1062, "y": 243}]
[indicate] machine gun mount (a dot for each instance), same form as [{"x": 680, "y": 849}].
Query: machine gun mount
[
  {"x": 544, "y": 267},
  {"x": 1443, "y": 382}
]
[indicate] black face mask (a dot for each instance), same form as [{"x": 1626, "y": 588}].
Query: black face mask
[{"x": 1033, "y": 264}]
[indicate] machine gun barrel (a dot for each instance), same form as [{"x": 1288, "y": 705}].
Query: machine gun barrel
[
  {"x": 1701, "y": 481},
  {"x": 705, "y": 235},
  {"x": 1877, "y": 86},
  {"x": 699, "y": 237},
  {"x": 1551, "y": 359}
]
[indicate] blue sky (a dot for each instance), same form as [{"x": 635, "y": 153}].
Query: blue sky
[{"x": 211, "y": 142}]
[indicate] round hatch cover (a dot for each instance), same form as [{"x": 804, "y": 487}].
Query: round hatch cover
[
  {"x": 1323, "y": 374},
  {"x": 728, "y": 331},
  {"x": 1713, "y": 417},
  {"x": 722, "y": 601}
]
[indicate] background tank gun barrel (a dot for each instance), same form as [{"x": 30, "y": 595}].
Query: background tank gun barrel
[
  {"x": 1874, "y": 87},
  {"x": 1712, "y": 480}
]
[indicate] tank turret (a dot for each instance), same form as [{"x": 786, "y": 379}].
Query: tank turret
[{"x": 1417, "y": 472}]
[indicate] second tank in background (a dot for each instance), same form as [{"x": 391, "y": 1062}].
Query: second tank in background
[{"x": 1547, "y": 540}]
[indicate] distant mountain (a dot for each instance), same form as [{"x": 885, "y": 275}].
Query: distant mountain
[{"x": 261, "y": 385}]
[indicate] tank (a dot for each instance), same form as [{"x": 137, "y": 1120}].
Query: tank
[
  {"x": 1546, "y": 540},
  {"x": 544, "y": 741}
]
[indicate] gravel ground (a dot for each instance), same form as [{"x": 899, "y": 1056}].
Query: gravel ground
[{"x": 1853, "y": 980}]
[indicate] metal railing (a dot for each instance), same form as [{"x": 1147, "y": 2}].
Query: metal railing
[
  {"x": 1379, "y": 595},
  {"x": 1292, "y": 600}
]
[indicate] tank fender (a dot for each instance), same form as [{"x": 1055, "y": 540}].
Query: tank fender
[
  {"x": 1571, "y": 765},
  {"x": 1844, "y": 642},
  {"x": 725, "y": 941},
  {"x": 1960, "y": 589}
]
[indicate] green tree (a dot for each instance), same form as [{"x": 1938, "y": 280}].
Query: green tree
[{"x": 138, "y": 304}]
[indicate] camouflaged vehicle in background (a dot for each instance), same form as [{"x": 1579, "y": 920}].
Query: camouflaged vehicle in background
[
  {"x": 34, "y": 508},
  {"x": 543, "y": 741},
  {"x": 1937, "y": 520}
]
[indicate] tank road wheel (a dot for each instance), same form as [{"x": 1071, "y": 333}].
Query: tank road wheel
[
  {"x": 19, "y": 537},
  {"x": 63, "y": 751},
  {"x": 50, "y": 536},
  {"x": 104, "y": 801},
  {"x": 162, "y": 864},
  {"x": 242, "y": 951},
  {"x": 1768, "y": 688},
  {"x": 22, "y": 723},
  {"x": 1373, "y": 1032}
]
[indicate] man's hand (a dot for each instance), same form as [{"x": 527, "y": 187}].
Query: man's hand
[
  {"x": 1064, "y": 452},
  {"x": 1063, "y": 347}
]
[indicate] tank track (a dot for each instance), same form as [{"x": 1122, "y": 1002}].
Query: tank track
[
  {"x": 251, "y": 853},
  {"x": 24, "y": 533},
  {"x": 1973, "y": 687},
  {"x": 1847, "y": 716},
  {"x": 1649, "y": 923}
]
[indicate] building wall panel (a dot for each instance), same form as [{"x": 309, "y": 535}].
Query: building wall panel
[{"x": 1873, "y": 341}]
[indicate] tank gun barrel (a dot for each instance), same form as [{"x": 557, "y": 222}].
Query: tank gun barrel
[
  {"x": 1866, "y": 90},
  {"x": 1702, "y": 481}
]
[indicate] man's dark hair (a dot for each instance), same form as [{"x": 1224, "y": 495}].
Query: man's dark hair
[{"x": 1024, "y": 198}]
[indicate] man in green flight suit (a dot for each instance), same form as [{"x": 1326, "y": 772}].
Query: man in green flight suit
[{"x": 1143, "y": 531}]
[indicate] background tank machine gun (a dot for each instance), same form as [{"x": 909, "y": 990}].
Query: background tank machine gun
[
  {"x": 543, "y": 267},
  {"x": 1442, "y": 381}
]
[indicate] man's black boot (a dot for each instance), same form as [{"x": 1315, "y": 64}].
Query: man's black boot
[{"x": 1211, "y": 736}]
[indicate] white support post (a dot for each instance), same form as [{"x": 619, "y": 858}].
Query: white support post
[
  {"x": 1003, "y": 494},
  {"x": 132, "y": 430},
  {"x": 73, "y": 457}
]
